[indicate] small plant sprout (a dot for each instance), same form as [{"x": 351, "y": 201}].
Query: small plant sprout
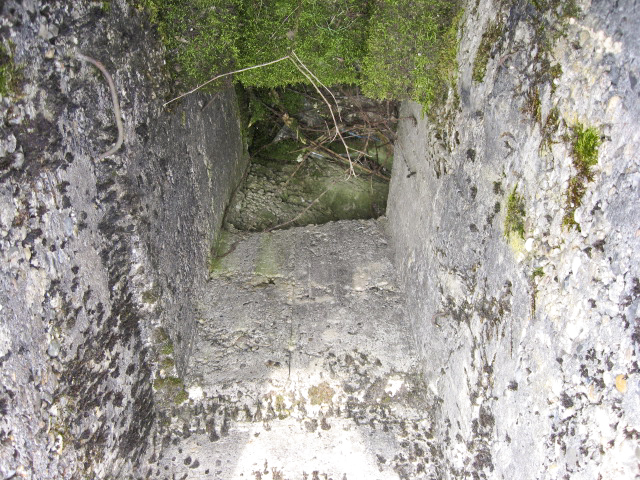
[
  {"x": 514, "y": 221},
  {"x": 585, "y": 144}
]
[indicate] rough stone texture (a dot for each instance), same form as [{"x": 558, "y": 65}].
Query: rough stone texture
[
  {"x": 303, "y": 367},
  {"x": 537, "y": 374},
  {"x": 277, "y": 192},
  {"x": 528, "y": 346},
  {"x": 95, "y": 255}
]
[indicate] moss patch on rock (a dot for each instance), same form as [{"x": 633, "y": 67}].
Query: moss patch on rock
[
  {"x": 391, "y": 48},
  {"x": 585, "y": 142},
  {"x": 171, "y": 390},
  {"x": 10, "y": 73},
  {"x": 514, "y": 221},
  {"x": 490, "y": 37},
  {"x": 321, "y": 394}
]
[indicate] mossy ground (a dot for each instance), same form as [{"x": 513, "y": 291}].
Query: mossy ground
[{"x": 411, "y": 50}]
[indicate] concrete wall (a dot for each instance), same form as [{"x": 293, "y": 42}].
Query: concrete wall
[
  {"x": 536, "y": 374},
  {"x": 96, "y": 255}
]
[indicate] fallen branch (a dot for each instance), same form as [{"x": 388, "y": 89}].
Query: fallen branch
[
  {"x": 335, "y": 156},
  {"x": 116, "y": 105}
]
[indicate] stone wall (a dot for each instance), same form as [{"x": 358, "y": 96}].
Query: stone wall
[
  {"x": 98, "y": 254},
  {"x": 531, "y": 344}
]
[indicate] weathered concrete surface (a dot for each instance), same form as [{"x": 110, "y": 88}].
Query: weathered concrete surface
[
  {"x": 95, "y": 255},
  {"x": 303, "y": 364},
  {"x": 531, "y": 345},
  {"x": 314, "y": 191}
]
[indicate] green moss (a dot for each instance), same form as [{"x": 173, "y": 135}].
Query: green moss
[
  {"x": 160, "y": 335},
  {"x": 163, "y": 342},
  {"x": 412, "y": 47},
  {"x": 10, "y": 74},
  {"x": 167, "y": 348},
  {"x": 514, "y": 221},
  {"x": 490, "y": 36},
  {"x": 555, "y": 71},
  {"x": 322, "y": 393},
  {"x": 538, "y": 272},
  {"x": 285, "y": 151},
  {"x": 353, "y": 198},
  {"x": 550, "y": 127},
  {"x": 167, "y": 382},
  {"x": 181, "y": 397},
  {"x": 267, "y": 264},
  {"x": 167, "y": 363},
  {"x": 206, "y": 37},
  {"x": 281, "y": 408},
  {"x": 152, "y": 295},
  {"x": 586, "y": 142},
  {"x": 564, "y": 9},
  {"x": 171, "y": 389},
  {"x": 585, "y": 145},
  {"x": 532, "y": 104},
  {"x": 392, "y": 48}
]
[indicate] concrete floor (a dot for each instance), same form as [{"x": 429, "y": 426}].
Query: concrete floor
[{"x": 303, "y": 366}]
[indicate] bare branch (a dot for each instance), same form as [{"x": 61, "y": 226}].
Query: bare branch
[
  {"x": 224, "y": 75},
  {"x": 116, "y": 105},
  {"x": 317, "y": 80},
  {"x": 351, "y": 170}
]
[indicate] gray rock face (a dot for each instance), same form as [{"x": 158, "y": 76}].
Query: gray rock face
[
  {"x": 530, "y": 343},
  {"x": 96, "y": 254}
]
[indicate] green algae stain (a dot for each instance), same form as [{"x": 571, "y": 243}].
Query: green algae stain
[
  {"x": 267, "y": 263},
  {"x": 221, "y": 247}
]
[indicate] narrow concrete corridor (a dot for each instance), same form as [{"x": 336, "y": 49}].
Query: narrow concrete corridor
[{"x": 303, "y": 367}]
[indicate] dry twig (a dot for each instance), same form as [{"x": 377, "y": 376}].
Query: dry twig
[
  {"x": 302, "y": 68},
  {"x": 116, "y": 105}
]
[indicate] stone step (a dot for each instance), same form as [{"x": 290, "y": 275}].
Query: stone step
[{"x": 302, "y": 364}]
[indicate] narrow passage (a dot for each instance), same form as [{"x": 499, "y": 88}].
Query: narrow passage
[{"x": 304, "y": 366}]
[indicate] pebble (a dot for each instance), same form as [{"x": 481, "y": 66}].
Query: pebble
[
  {"x": 54, "y": 348},
  {"x": 576, "y": 262},
  {"x": 528, "y": 245},
  {"x": 621, "y": 383}
]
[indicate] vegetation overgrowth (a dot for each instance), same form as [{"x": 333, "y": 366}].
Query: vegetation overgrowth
[{"x": 390, "y": 48}]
